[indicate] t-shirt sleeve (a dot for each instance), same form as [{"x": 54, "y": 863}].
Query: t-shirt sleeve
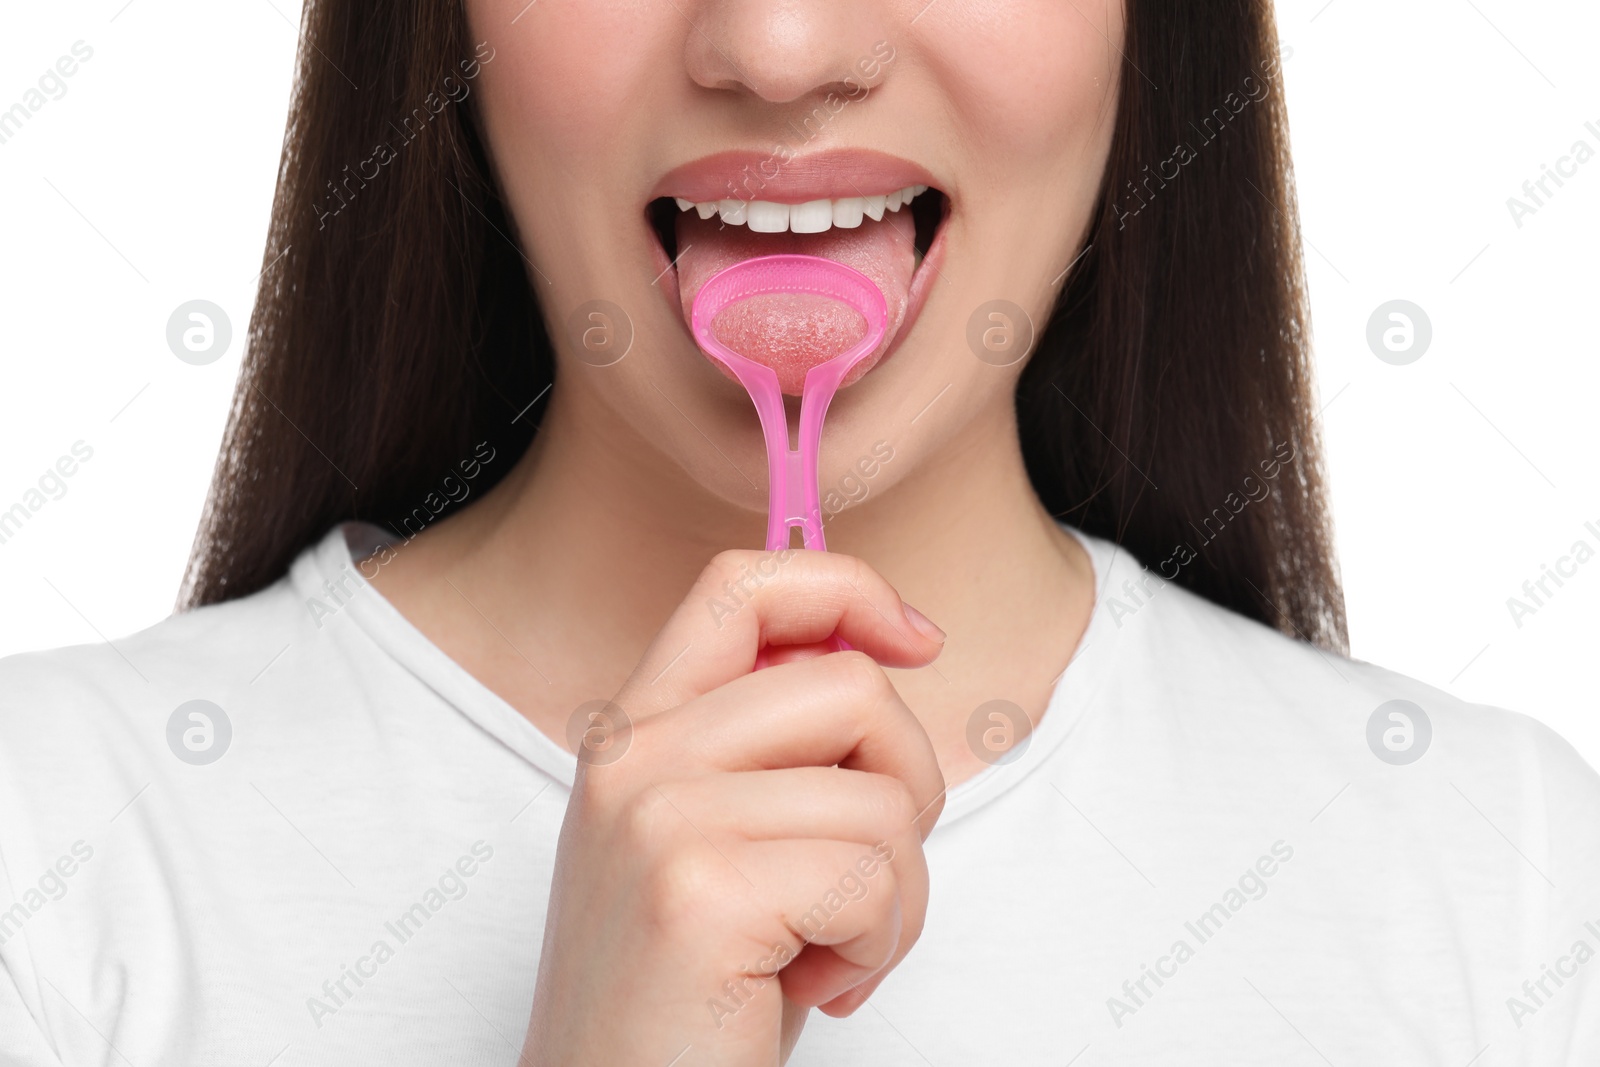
[
  {"x": 28, "y": 1004},
  {"x": 1555, "y": 1015}
]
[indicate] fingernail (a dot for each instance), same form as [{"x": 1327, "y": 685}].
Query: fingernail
[{"x": 923, "y": 624}]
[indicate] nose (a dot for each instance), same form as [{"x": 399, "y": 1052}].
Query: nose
[{"x": 782, "y": 50}]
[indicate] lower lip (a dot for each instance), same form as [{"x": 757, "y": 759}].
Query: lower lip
[{"x": 917, "y": 295}]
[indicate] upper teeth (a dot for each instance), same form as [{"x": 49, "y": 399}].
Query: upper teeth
[{"x": 815, "y": 216}]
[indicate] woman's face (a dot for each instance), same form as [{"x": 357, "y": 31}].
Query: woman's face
[{"x": 600, "y": 114}]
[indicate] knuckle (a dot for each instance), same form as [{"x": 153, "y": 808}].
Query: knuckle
[
  {"x": 859, "y": 572},
  {"x": 884, "y": 891},
  {"x": 888, "y": 809},
  {"x": 859, "y": 675},
  {"x": 684, "y": 890},
  {"x": 725, "y": 566},
  {"x": 856, "y": 574},
  {"x": 606, "y": 789},
  {"x": 913, "y": 918},
  {"x": 646, "y": 821},
  {"x": 894, "y": 806}
]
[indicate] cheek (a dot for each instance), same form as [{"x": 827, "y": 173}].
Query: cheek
[
  {"x": 571, "y": 106},
  {"x": 570, "y": 76},
  {"x": 1034, "y": 81}
]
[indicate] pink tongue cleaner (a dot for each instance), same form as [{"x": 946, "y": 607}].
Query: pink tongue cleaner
[
  {"x": 793, "y": 291},
  {"x": 793, "y": 332},
  {"x": 789, "y": 332}
]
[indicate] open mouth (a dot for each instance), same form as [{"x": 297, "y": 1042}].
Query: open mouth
[{"x": 894, "y": 237}]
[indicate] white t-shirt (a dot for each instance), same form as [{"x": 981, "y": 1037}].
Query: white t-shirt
[{"x": 1200, "y": 857}]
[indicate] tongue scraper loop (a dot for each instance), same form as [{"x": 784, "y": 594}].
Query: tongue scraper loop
[{"x": 792, "y": 497}]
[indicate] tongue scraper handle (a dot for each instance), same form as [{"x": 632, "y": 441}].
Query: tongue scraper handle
[{"x": 792, "y": 497}]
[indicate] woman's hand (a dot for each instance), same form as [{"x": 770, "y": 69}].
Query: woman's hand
[{"x": 748, "y": 821}]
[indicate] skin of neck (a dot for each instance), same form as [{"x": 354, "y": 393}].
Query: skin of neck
[{"x": 549, "y": 588}]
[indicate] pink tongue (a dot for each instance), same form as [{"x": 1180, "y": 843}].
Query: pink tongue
[{"x": 793, "y": 332}]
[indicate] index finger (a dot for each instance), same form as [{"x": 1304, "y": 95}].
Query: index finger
[{"x": 746, "y": 601}]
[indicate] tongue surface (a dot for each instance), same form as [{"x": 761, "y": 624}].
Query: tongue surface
[{"x": 793, "y": 332}]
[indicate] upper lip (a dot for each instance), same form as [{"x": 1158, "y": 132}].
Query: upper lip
[{"x": 830, "y": 175}]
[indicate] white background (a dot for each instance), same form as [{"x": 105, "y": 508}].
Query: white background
[{"x": 1454, "y": 478}]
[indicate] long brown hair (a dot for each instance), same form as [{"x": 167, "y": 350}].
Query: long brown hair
[{"x": 1168, "y": 405}]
